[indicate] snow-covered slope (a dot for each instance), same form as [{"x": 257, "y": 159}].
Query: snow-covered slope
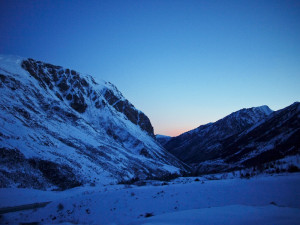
[
  {"x": 271, "y": 139},
  {"x": 62, "y": 129},
  {"x": 260, "y": 200},
  {"x": 204, "y": 142}
]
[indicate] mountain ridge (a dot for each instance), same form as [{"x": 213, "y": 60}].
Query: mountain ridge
[
  {"x": 265, "y": 137},
  {"x": 204, "y": 136},
  {"x": 66, "y": 129}
]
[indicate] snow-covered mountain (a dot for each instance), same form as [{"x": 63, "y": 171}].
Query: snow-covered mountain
[
  {"x": 246, "y": 138},
  {"x": 162, "y": 139},
  {"x": 274, "y": 138},
  {"x": 204, "y": 142},
  {"x": 60, "y": 128}
]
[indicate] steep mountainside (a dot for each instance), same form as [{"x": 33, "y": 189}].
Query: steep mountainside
[
  {"x": 272, "y": 139},
  {"x": 204, "y": 142},
  {"x": 60, "y": 128},
  {"x": 225, "y": 145}
]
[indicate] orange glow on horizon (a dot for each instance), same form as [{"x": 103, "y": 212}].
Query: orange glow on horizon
[{"x": 174, "y": 132}]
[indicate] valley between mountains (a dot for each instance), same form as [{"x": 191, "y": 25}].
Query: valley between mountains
[{"x": 79, "y": 146}]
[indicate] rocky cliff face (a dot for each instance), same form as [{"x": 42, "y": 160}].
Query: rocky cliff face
[
  {"x": 75, "y": 89},
  {"x": 60, "y": 128}
]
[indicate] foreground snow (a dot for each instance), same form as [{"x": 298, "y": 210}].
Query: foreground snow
[
  {"x": 259, "y": 200},
  {"x": 233, "y": 215}
]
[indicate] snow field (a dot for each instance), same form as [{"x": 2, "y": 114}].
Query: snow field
[{"x": 259, "y": 200}]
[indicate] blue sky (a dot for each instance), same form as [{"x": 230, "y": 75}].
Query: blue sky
[{"x": 184, "y": 63}]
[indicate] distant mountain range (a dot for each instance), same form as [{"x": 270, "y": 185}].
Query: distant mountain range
[
  {"x": 60, "y": 129},
  {"x": 248, "y": 137},
  {"x": 162, "y": 139}
]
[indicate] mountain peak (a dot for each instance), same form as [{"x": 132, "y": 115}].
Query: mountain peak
[
  {"x": 253, "y": 111},
  {"x": 265, "y": 109}
]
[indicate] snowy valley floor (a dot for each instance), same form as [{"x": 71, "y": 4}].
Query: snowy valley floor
[{"x": 259, "y": 200}]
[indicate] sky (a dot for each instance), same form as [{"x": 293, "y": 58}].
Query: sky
[{"x": 183, "y": 63}]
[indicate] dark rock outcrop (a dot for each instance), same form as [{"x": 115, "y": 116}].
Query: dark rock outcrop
[
  {"x": 125, "y": 107},
  {"x": 50, "y": 76},
  {"x": 57, "y": 174},
  {"x": 17, "y": 164}
]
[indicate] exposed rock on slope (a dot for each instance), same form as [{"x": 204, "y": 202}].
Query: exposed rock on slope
[
  {"x": 60, "y": 128},
  {"x": 74, "y": 88}
]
